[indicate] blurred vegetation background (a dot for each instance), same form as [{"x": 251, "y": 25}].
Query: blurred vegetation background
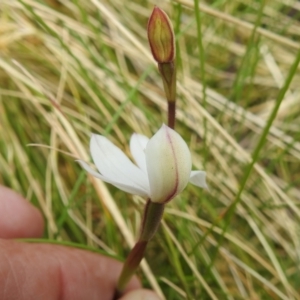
[{"x": 69, "y": 68}]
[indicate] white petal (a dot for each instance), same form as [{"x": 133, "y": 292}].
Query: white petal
[
  {"x": 115, "y": 165},
  {"x": 198, "y": 178},
  {"x": 126, "y": 188},
  {"x": 138, "y": 143},
  {"x": 168, "y": 163}
]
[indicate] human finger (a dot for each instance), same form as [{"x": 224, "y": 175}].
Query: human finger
[
  {"x": 51, "y": 272},
  {"x": 18, "y": 218}
]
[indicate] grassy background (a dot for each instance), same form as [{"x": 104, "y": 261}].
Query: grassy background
[{"x": 68, "y": 68}]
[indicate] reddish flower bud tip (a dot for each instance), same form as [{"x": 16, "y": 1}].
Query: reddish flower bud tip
[{"x": 161, "y": 36}]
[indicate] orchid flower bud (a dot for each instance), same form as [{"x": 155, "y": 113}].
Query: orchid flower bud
[{"x": 161, "y": 36}]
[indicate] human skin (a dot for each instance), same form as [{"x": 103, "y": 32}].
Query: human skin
[{"x": 51, "y": 272}]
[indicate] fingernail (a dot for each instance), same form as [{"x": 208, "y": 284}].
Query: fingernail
[{"x": 140, "y": 295}]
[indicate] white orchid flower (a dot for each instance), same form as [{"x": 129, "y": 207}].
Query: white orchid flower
[{"x": 162, "y": 170}]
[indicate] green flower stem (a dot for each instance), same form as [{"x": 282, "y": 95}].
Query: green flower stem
[
  {"x": 131, "y": 264},
  {"x": 168, "y": 75},
  {"x": 152, "y": 216},
  {"x": 171, "y": 114}
]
